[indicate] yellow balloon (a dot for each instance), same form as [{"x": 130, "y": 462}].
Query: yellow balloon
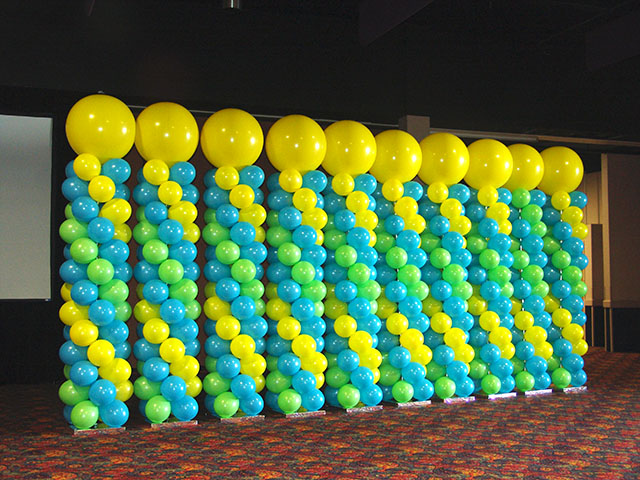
[
  {"x": 445, "y": 159},
  {"x": 101, "y": 352},
  {"x": 122, "y": 232},
  {"x": 65, "y": 291},
  {"x": 184, "y": 212},
  {"x": 290, "y": 180},
  {"x": 83, "y": 333},
  {"x": 215, "y": 308},
  {"x": 170, "y": 192},
  {"x": 124, "y": 391},
  {"x": 289, "y": 328},
  {"x": 357, "y": 201},
  {"x": 345, "y": 326},
  {"x": 231, "y": 137},
  {"x": 86, "y": 166},
  {"x": 254, "y": 214},
  {"x": 440, "y": 322},
  {"x": 351, "y": 148},
  {"x": 399, "y": 157},
  {"x": 191, "y": 232},
  {"x": 186, "y": 368},
  {"x": 437, "y": 192},
  {"x": 253, "y": 365},
  {"x": 561, "y": 200},
  {"x": 303, "y": 345},
  {"x": 155, "y": 172},
  {"x": 243, "y": 346},
  {"x": 563, "y": 170},
  {"x": 228, "y": 327},
  {"x": 397, "y": 323},
  {"x": 156, "y": 330},
  {"x": 392, "y": 189},
  {"x": 102, "y": 189},
  {"x": 172, "y": 350},
  {"x": 70, "y": 312},
  {"x": 343, "y": 184},
  {"x": 490, "y": 163},
  {"x": 528, "y": 167},
  {"x": 304, "y": 199},
  {"x": 465, "y": 353},
  {"x": 487, "y": 195},
  {"x": 227, "y": 177},
  {"x": 102, "y": 126},
  {"x": 411, "y": 339},
  {"x": 296, "y": 142},
  {"x": 117, "y": 210},
  {"x": 194, "y": 386},
  {"x": 406, "y": 207},
  {"x": 451, "y": 208},
  {"x": 166, "y": 131},
  {"x": 118, "y": 371}
]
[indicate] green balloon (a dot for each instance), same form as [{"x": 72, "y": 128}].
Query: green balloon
[
  {"x": 369, "y": 290},
  {"x": 185, "y": 290},
  {"x": 490, "y": 384},
  {"x": 66, "y": 370},
  {"x": 272, "y": 363},
  {"x": 572, "y": 274},
  {"x": 289, "y": 253},
  {"x": 550, "y": 245},
  {"x": 334, "y": 238},
  {"x": 140, "y": 367},
  {"x": 83, "y": 250},
  {"x": 332, "y": 359},
  {"x": 541, "y": 289},
  {"x": 214, "y": 233},
  {"x": 145, "y": 231},
  {"x": 477, "y": 369},
  {"x": 462, "y": 290},
  {"x": 553, "y": 363},
  {"x": 145, "y": 389},
  {"x": 289, "y": 401},
  {"x": 157, "y": 409},
  {"x": 520, "y": 197},
  {"x": 440, "y": 257},
  {"x": 72, "y": 394},
  {"x": 539, "y": 229},
  {"x": 500, "y": 274},
  {"x": 359, "y": 273},
  {"x": 489, "y": 258},
  {"x": 336, "y": 377},
  {"x": 331, "y": 224},
  {"x": 226, "y": 405},
  {"x": 532, "y": 274},
  {"x": 115, "y": 291},
  {"x": 272, "y": 218},
  {"x": 303, "y": 272},
  {"x": 277, "y": 235},
  {"x": 71, "y": 230},
  {"x": 192, "y": 310},
  {"x": 579, "y": 288},
  {"x": 429, "y": 241},
  {"x": 388, "y": 375},
  {"x": 209, "y": 215},
  {"x": 445, "y": 387},
  {"x": 100, "y": 271},
  {"x": 507, "y": 290},
  {"x": 518, "y": 365},
  {"x": 396, "y": 257},
  {"x": 155, "y": 251},
  {"x": 210, "y": 363},
  {"x": 243, "y": 270},
  {"x": 476, "y": 244},
  {"x": 140, "y": 215},
  {"x": 84, "y": 415},
  {"x": 123, "y": 311},
  {"x": 561, "y": 259},
  {"x": 384, "y": 242},
  {"x": 278, "y": 382},
  {"x": 346, "y": 256},
  {"x": 227, "y": 252},
  {"x": 452, "y": 273},
  {"x": 561, "y": 377},
  {"x": 515, "y": 244},
  {"x": 525, "y": 381},
  {"x": 253, "y": 288},
  {"x": 314, "y": 290},
  {"x": 68, "y": 211},
  {"x": 215, "y": 384},
  {"x": 348, "y": 396},
  {"x": 261, "y": 308},
  {"x": 435, "y": 371},
  {"x": 520, "y": 259},
  {"x": 531, "y": 213},
  {"x": 171, "y": 271},
  {"x": 402, "y": 391}
]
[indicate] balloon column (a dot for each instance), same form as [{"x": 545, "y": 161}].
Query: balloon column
[
  {"x": 166, "y": 137},
  {"x": 296, "y": 146},
  {"x": 350, "y": 274},
  {"x": 232, "y": 141},
  {"x": 100, "y": 129}
]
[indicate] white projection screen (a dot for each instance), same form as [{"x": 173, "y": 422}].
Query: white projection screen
[{"x": 25, "y": 207}]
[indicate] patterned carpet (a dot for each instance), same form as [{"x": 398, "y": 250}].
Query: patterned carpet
[{"x": 592, "y": 435}]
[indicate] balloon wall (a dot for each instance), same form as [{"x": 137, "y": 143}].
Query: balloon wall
[{"x": 366, "y": 269}]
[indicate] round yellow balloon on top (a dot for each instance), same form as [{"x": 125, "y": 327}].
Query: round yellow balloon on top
[
  {"x": 101, "y": 125},
  {"x": 166, "y": 131},
  {"x": 445, "y": 159},
  {"x": 563, "y": 170},
  {"x": 490, "y": 164},
  {"x": 399, "y": 157},
  {"x": 231, "y": 137},
  {"x": 296, "y": 142},
  {"x": 528, "y": 167},
  {"x": 351, "y": 148}
]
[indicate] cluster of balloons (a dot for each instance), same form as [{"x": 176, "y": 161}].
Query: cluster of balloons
[
  {"x": 378, "y": 287},
  {"x": 234, "y": 309},
  {"x": 100, "y": 129},
  {"x": 166, "y": 272}
]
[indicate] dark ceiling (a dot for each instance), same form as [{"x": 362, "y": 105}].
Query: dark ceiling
[{"x": 527, "y": 66}]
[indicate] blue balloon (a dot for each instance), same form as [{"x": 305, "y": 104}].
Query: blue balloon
[
  {"x": 102, "y": 392},
  {"x": 542, "y": 381},
  {"x": 145, "y": 193},
  {"x": 70, "y": 353},
  {"x": 84, "y": 292},
  {"x": 253, "y": 176},
  {"x": 227, "y": 289},
  {"x": 399, "y": 357},
  {"x": 173, "y": 388},
  {"x": 578, "y": 378},
  {"x": 578, "y": 199},
  {"x": 410, "y": 306},
  {"x": 359, "y": 308},
  {"x": 185, "y": 408},
  {"x": 100, "y": 229},
  {"x": 314, "y": 400},
  {"x": 362, "y": 378},
  {"x": 502, "y": 368},
  {"x": 85, "y": 208},
  {"x": 155, "y": 369},
  {"x": 228, "y": 366},
  {"x": 490, "y": 353},
  {"x": 371, "y": 395},
  {"x": 305, "y": 237},
  {"x": 396, "y": 291},
  {"x": 116, "y": 251},
  {"x": 216, "y": 347},
  {"x": 443, "y": 355},
  {"x": 488, "y": 227},
  {"x": 290, "y": 218},
  {"x": 114, "y": 414},
  {"x": 182, "y": 173},
  {"x": 73, "y": 188},
  {"x": 243, "y": 386},
  {"x": 170, "y": 231},
  {"x": 252, "y": 404},
  {"x": 460, "y": 192},
  {"x": 344, "y": 220},
  {"x": 440, "y": 290},
  {"x": 155, "y": 291},
  {"x": 439, "y": 225},
  {"x": 83, "y": 373},
  {"x": 538, "y": 197},
  {"x": 214, "y": 197},
  {"x": 348, "y": 360}
]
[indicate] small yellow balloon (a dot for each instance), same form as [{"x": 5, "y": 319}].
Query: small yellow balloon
[
  {"x": 303, "y": 345},
  {"x": 227, "y": 177},
  {"x": 170, "y": 192},
  {"x": 416, "y": 222},
  {"x": 445, "y": 158},
  {"x": 487, "y": 195},
  {"x": 156, "y": 330},
  {"x": 289, "y": 328},
  {"x": 304, "y": 199},
  {"x": 392, "y": 189},
  {"x": 172, "y": 350},
  {"x": 101, "y": 352},
  {"x": 296, "y": 142},
  {"x": 122, "y": 232},
  {"x": 406, "y": 207},
  {"x": 254, "y": 214},
  {"x": 343, "y": 184},
  {"x": 437, "y": 192},
  {"x": 241, "y": 196},
  {"x": 345, "y": 326},
  {"x": 215, "y": 308},
  {"x": 101, "y": 125},
  {"x": 560, "y": 200},
  {"x": 191, "y": 232},
  {"x": 465, "y": 353},
  {"x": 451, "y": 208},
  {"x": 351, "y": 148},
  {"x": 397, "y": 323},
  {"x": 290, "y": 180},
  {"x": 155, "y": 172},
  {"x": 70, "y": 312},
  {"x": 528, "y": 167},
  {"x": 231, "y": 137},
  {"x": 573, "y": 216},
  {"x": 184, "y": 212},
  {"x": 440, "y": 322},
  {"x": 228, "y": 327},
  {"x": 194, "y": 386},
  {"x": 83, "y": 333},
  {"x": 86, "y": 166},
  {"x": 357, "y": 201},
  {"x": 102, "y": 189},
  {"x": 490, "y": 163},
  {"x": 243, "y": 346},
  {"x": 399, "y": 157},
  {"x": 124, "y": 391},
  {"x": 580, "y": 230},
  {"x": 460, "y": 224},
  {"x": 563, "y": 170},
  {"x": 117, "y": 210}
]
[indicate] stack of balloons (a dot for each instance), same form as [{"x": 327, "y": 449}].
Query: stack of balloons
[
  {"x": 232, "y": 141},
  {"x": 166, "y": 137},
  {"x": 96, "y": 271},
  {"x": 295, "y": 145}
]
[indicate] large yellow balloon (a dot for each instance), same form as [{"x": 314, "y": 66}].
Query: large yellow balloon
[
  {"x": 231, "y": 137},
  {"x": 490, "y": 164},
  {"x": 399, "y": 157},
  {"x": 563, "y": 170},
  {"x": 296, "y": 142},
  {"x": 351, "y": 148},
  {"x": 166, "y": 131},
  {"x": 528, "y": 167},
  {"x": 102, "y": 126},
  {"x": 445, "y": 159}
]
